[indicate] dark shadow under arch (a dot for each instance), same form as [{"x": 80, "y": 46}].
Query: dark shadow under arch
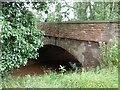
[
  {"x": 54, "y": 56},
  {"x": 50, "y": 58}
]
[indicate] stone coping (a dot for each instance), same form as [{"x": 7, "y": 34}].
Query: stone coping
[{"x": 87, "y": 21}]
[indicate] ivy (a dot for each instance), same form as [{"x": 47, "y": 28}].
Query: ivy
[{"x": 20, "y": 38}]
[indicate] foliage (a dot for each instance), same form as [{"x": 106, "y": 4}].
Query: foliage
[
  {"x": 20, "y": 38},
  {"x": 58, "y": 11},
  {"x": 75, "y": 11},
  {"x": 113, "y": 52},
  {"x": 109, "y": 54},
  {"x": 97, "y": 10},
  {"x": 62, "y": 69},
  {"x": 100, "y": 78}
]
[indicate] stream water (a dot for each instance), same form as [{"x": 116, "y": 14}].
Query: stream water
[
  {"x": 33, "y": 69},
  {"x": 50, "y": 58},
  {"x": 39, "y": 68}
]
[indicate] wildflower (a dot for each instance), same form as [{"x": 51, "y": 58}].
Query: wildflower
[
  {"x": 115, "y": 46},
  {"x": 100, "y": 42},
  {"x": 103, "y": 42}
]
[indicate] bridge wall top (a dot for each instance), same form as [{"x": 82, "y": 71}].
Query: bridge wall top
[
  {"x": 87, "y": 21},
  {"x": 84, "y": 30}
]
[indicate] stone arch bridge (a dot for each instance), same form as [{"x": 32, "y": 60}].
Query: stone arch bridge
[{"x": 80, "y": 39}]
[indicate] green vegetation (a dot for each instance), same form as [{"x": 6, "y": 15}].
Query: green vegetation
[
  {"x": 21, "y": 40},
  {"x": 62, "y": 69},
  {"x": 109, "y": 53},
  {"x": 77, "y": 11},
  {"x": 97, "y": 10},
  {"x": 20, "y": 37},
  {"x": 98, "y": 78}
]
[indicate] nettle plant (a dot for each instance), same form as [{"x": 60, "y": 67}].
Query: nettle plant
[
  {"x": 110, "y": 53},
  {"x": 20, "y": 38}
]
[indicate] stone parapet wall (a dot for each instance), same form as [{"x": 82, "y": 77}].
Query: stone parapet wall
[{"x": 84, "y": 30}]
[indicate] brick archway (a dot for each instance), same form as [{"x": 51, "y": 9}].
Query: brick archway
[
  {"x": 56, "y": 56},
  {"x": 81, "y": 39}
]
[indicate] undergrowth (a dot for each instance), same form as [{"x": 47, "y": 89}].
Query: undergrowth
[{"x": 97, "y": 78}]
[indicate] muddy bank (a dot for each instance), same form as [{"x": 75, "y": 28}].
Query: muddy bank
[
  {"x": 33, "y": 69},
  {"x": 39, "y": 68}
]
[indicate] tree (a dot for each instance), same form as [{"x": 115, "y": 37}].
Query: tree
[
  {"x": 20, "y": 37},
  {"x": 98, "y": 10}
]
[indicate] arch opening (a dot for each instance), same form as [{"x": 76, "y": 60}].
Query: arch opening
[
  {"x": 54, "y": 56},
  {"x": 50, "y": 58}
]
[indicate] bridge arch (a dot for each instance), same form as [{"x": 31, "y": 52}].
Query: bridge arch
[
  {"x": 56, "y": 55},
  {"x": 81, "y": 39},
  {"x": 85, "y": 52}
]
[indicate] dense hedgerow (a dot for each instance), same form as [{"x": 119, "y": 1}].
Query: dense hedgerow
[{"x": 19, "y": 37}]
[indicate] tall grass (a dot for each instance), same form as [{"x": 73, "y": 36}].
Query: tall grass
[
  {"x": 109, "y": 53},
  {"x": 97, "y": 78}
]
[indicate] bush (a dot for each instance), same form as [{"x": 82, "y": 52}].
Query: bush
[
  {"x": 20, "y": 38},
  {"x": 109, "y": 53}
]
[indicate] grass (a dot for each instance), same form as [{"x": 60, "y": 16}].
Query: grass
[{"x": 98, "y": 78}]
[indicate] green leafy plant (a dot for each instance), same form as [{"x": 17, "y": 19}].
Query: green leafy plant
[
  {"x": 113, "y": 51},
  {"x": 20, "y": 37},
  {"x": 109, "y": 53},
  {"x": 62, "y": 69}
]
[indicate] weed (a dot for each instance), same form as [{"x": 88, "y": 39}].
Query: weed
[
  {"x": 62, "y": 69},
  {"x": 109, "y": 53},
  {"x": 99, "y": 78}
]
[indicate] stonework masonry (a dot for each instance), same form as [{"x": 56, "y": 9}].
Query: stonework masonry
[{"x": 81, "y": 39}]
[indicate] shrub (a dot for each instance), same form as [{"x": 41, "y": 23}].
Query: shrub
[
  {"x": 109, "y": 53},
  {"x": 20, "y": 38}
]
